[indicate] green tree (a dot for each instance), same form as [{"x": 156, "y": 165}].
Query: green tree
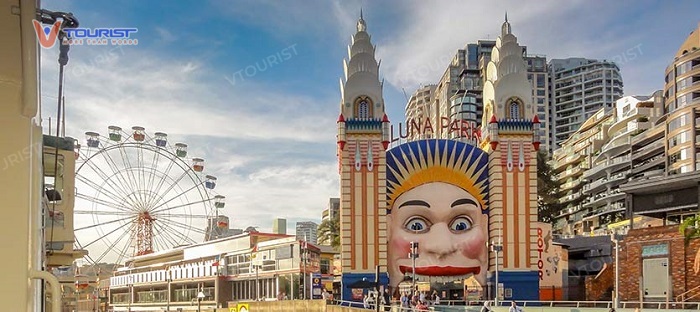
[
  {"x": 690, "y": 229},
  {"x": 329, "y": 232},
  {"x": 547, "y": 189}
]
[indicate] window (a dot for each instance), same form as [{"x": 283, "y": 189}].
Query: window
[
  {"x": 363, "y": 110},
  {"x": 514, "y": 110},
  {"x": 678, "y": 139},
  {"x": 540, "y": 80},
  {"x": 363, "y": 107},
  {"x": 540, "y": 92},
  {"x": 678, "y": 122}
]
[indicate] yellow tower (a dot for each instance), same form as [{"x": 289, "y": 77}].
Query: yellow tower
[
  {"x": 510, "y": 131},
  {"x": 363, "y": 136}
]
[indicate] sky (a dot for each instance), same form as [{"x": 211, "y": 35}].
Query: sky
[{"x": 252, "y": 86}]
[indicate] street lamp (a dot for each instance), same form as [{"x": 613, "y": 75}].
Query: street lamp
[
  {"x": 616, "y": 298},
  {"x": 413, "y": 255},
  {"x": 200, "y": 296},
  {"x": 496, "y": 247}
]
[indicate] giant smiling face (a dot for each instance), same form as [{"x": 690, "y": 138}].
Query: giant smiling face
[{"x": 450, "y": 227}]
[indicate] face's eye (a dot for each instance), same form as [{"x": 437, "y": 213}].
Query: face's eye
[
  {"x": 461, "y": 224},
  {"x": 417, "y": 225}
]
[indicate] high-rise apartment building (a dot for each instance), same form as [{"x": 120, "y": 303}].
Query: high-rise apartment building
[
  {"x": 570, "y": 162},
  {"x": 579, "y": 88},
  {"x": 458, "y": 96},
  {"x": 306, "y": 231},
  {"x": 538, "y": 76},
  {"x": 611, "y": 166},
  {"x": 279, "y": 226},
  {"x": 332, "y": 210},
  {"x": 418, "y": 109}
]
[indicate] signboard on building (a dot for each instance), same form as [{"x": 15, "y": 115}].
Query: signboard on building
[
  {"x": 551, "y": 259},
  {"x": 665, "y": 200},
  {"x": 316, "y": 286}
]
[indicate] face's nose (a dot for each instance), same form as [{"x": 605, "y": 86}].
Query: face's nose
[{"x": 438, "y": 242}]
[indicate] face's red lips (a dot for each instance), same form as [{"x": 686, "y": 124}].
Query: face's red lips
[{"x": 441, "y": 270}]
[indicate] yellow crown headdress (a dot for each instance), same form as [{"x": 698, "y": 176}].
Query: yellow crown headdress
[{"x": 416, "y": 163}]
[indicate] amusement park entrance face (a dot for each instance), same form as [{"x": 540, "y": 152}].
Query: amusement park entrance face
[{"x": 450, "y": 227}]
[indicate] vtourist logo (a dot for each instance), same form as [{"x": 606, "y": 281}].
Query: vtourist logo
[{"x": 84, "y": 36}]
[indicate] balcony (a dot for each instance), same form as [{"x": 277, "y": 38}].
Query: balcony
[
  {"x": 602, "y": 198},
  {"x": 610, "y": 165},
  {"x": 648, "y": 164},
  {"x": 650, "y": 149}
]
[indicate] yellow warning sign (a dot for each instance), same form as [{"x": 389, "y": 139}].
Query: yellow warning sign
[
  {"x": 232, "y": 309},
  {"x": 243, "y": 307}
]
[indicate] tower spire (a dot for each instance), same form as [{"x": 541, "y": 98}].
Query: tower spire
[
  {"x": 506, "y": 15},
  {"x": 361, "y": 26}
]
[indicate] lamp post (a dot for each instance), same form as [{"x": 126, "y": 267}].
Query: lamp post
[
  {"x": 616, "y": 298},
  {"x": 496, "y": 247},
  {"x": 413, "y": 255}
]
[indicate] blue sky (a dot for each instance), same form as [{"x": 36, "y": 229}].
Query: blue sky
[{"x": 270, "y": 136}]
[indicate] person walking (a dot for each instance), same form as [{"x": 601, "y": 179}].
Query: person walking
[
  {"x": 514, "y": 307},
  {"x": 486, "y": 307}
]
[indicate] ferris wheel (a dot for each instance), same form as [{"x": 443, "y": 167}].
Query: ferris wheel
[{"x": 137, "y": 194}]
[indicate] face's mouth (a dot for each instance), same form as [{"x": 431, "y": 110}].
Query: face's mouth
[{"x": 441, "y": 270}]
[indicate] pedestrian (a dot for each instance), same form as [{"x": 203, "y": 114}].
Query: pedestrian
[
  {"x": 404, "y": 300},
  {"x": 436, "y": 298},
  {"x": 486, "y": 307},
  {"x": 365, "y": 302},
  {"x": 514, "y": 307},
  {"x": 386, "y": 300}
]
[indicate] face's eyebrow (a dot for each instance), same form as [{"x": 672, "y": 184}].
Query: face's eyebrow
[
  {"x": 415, "y": 203},
  {"x": 464, "y": 201}
]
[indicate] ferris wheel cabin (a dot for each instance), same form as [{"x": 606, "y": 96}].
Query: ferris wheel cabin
[
  {"x": 93, "y": 139},
  {"x": 115, "y": 133},
  {"x": 210, "y": 183},
  {"x": 161, "y": 139},
  {"x": 139, "y": 133},
  {"x": 198, "y": 164},
  {"x": 181, "y": 149}
]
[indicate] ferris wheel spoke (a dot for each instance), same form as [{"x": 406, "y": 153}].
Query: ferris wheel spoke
[
  {"x": 118, "y": 183},
  {"x": 98, "y": 188},
  {"x": 106, "y": 178},
  {"x": 181, "y": 215},
  {"x": 171, "y": 186},
  {"x": 133, "y": 169},
  {"x": 104, "y": 213},
  {"x": 184, "y": 226},
  {"x": 103, "y": 202},
  {"x": 101, "y": 224},
  {"x": 105, "y": 236},
  {"x": 181, "y": 206},
  {"x": 152, "y": 175},
  {"x": 166, "y": 236},
  {"x": 175, "y": 234},
  {"x": 130, "y": 180},
  {"x": 166, "y": 174},
  {"x": 115, "y": 243},
  {"x": 125, "y": 185},
  {"x": 155, "y": 209}
]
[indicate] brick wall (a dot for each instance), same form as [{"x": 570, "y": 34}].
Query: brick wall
[
  {"x": 681, "y": 258},
  {"x": 599, "y": 287}
]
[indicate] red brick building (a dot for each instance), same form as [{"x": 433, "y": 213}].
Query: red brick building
[{"x": 656, "y": 263}]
